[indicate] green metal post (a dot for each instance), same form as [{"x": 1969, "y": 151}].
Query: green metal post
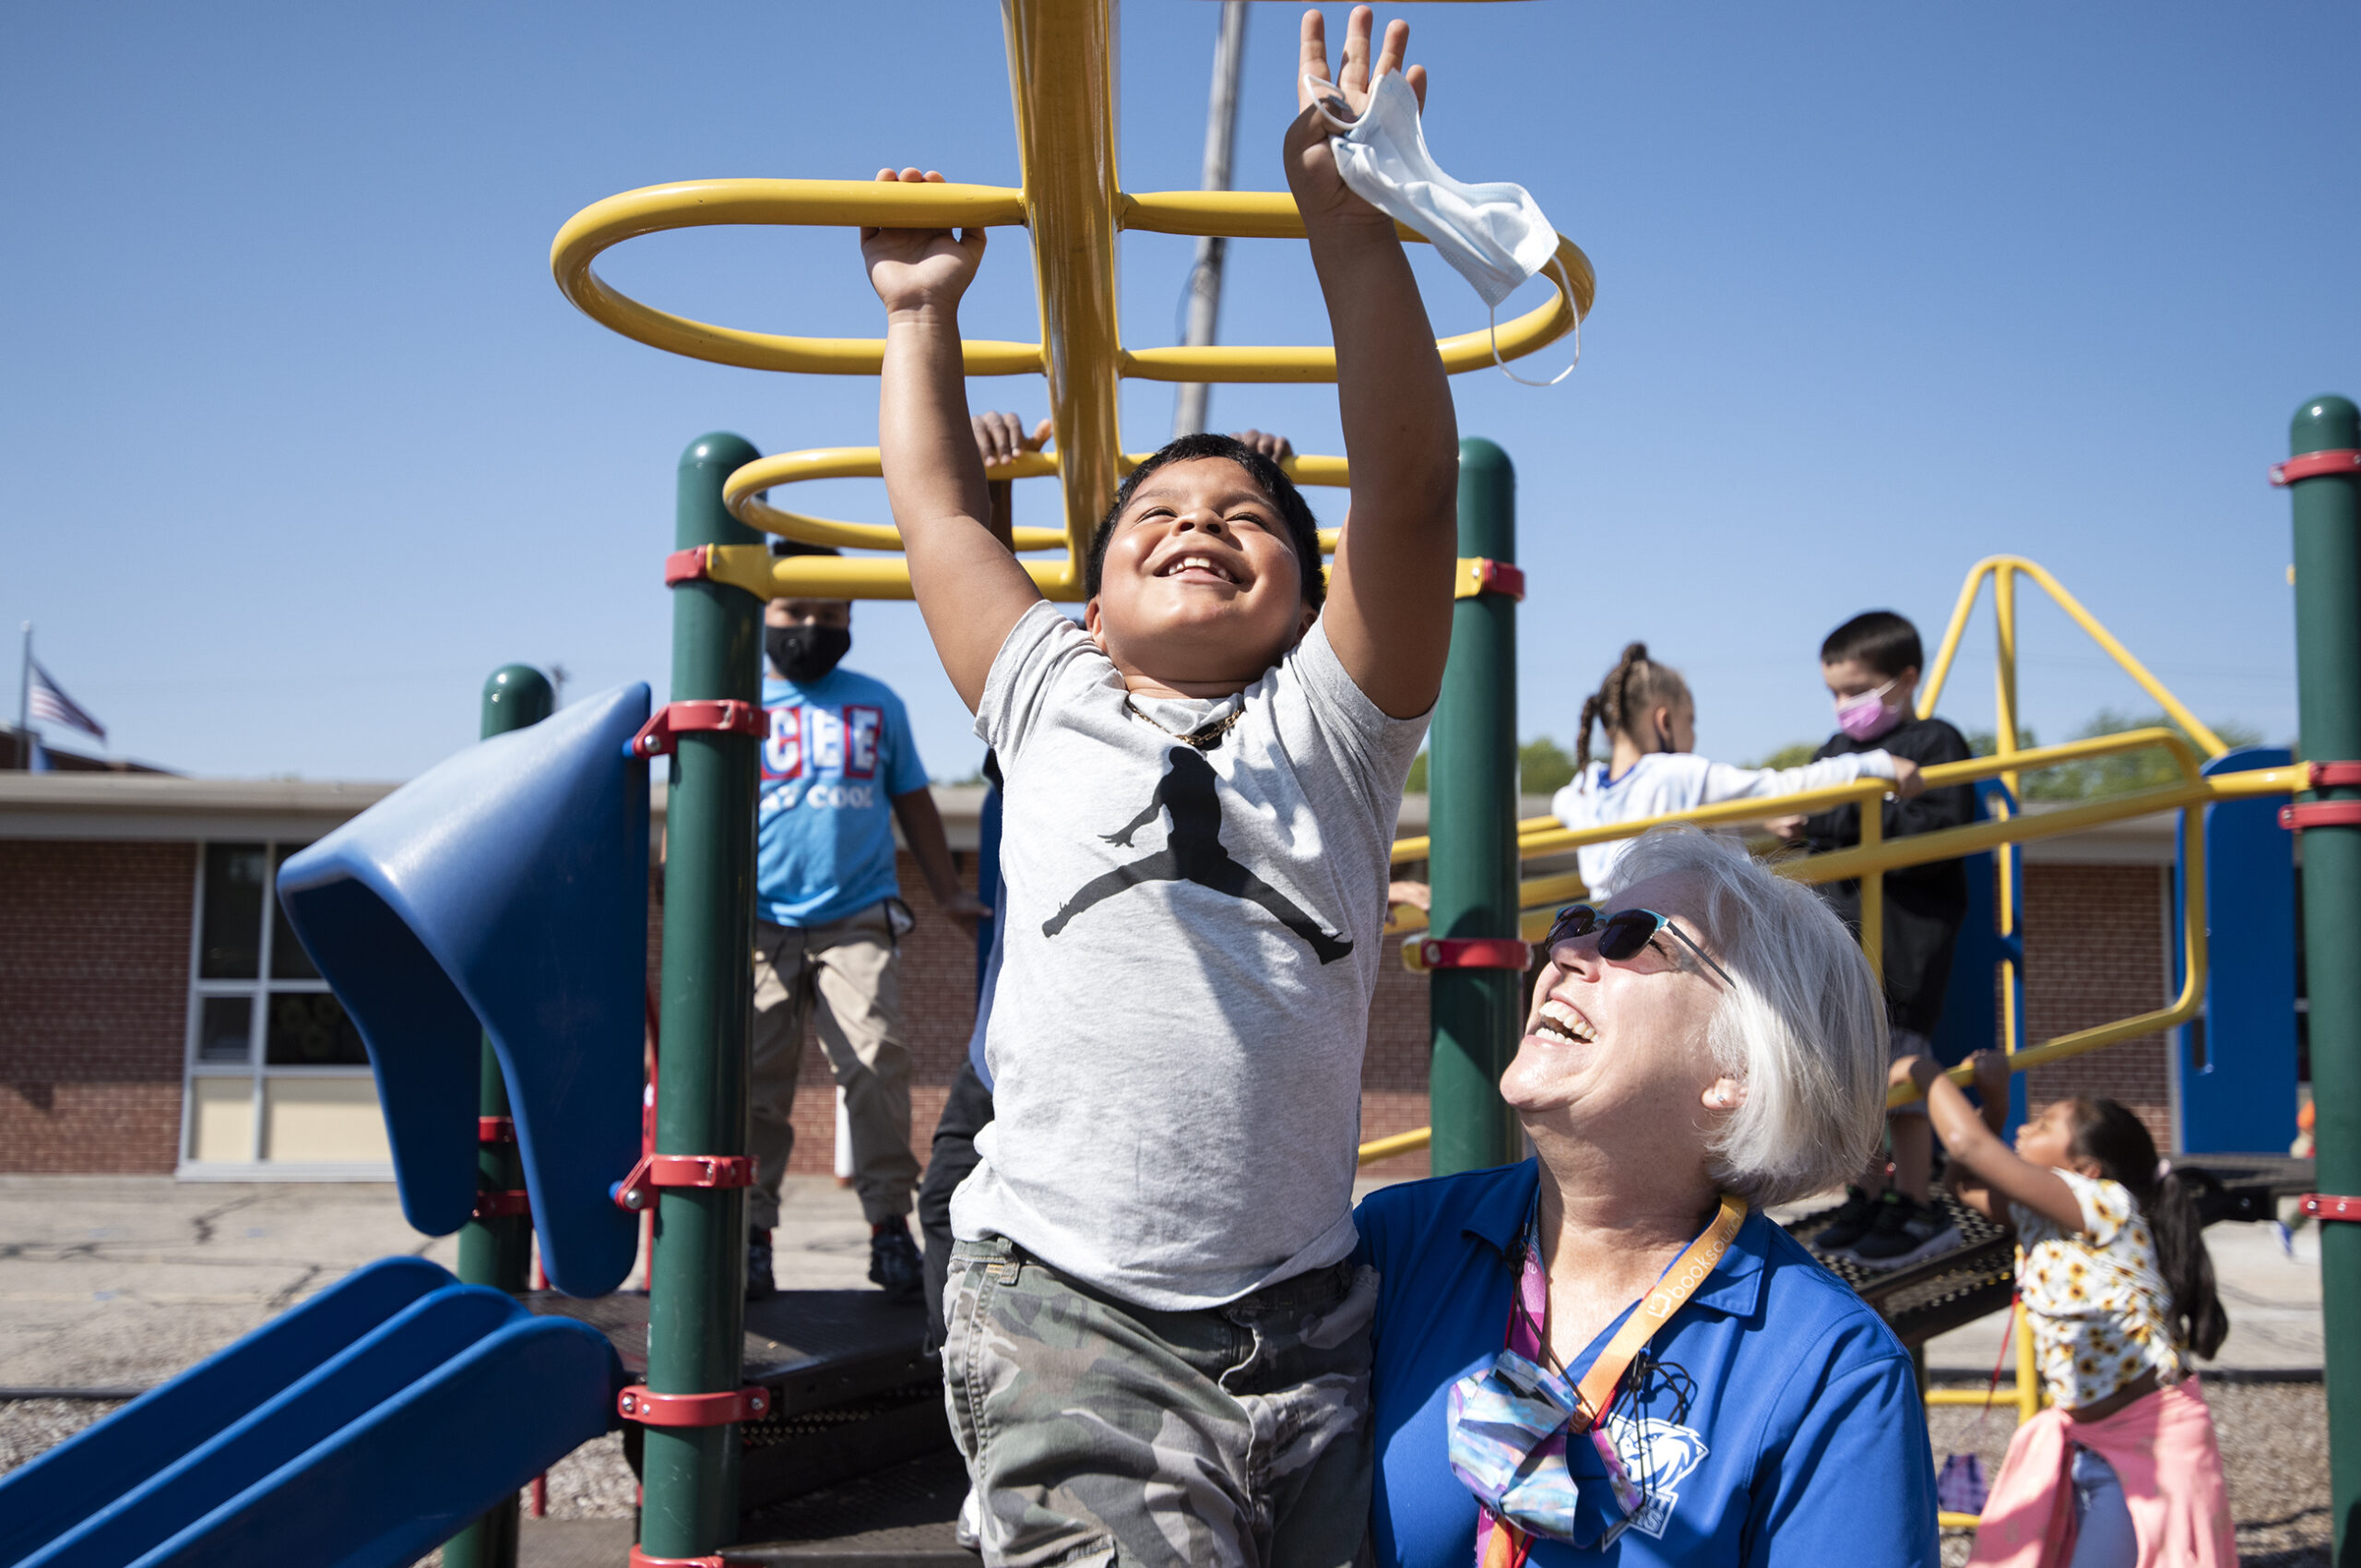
[
  {"x": 498, "y": 1251},
  {"x": 2328, "y": 685},
  {"x": 696, "y": 1293},
  {"x": 1471, "y": 772}
]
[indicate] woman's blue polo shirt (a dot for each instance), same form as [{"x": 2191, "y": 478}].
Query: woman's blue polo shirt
[{"x": 1803, "y": 1442}]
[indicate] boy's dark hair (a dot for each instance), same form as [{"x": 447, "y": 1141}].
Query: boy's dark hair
[
  {"x": 1637, "y": 684},
  {"x": 1879, "y": 638},
  {"x": 2109, "y": 1136},
  {"x": 1303, "y": 530}
]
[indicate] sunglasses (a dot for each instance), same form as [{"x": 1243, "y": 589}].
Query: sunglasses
[{"x": 1621, "y": 935}]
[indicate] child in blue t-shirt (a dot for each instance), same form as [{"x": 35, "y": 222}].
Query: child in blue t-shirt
[{"x": 840, "y": 769}]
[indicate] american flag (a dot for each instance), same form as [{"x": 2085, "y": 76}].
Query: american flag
[{"x": 49, "y": 705}]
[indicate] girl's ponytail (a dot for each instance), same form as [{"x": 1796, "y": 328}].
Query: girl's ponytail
[
  {"x": 1636, "y": 684},
  {"x": 2109, "y": 1134}
]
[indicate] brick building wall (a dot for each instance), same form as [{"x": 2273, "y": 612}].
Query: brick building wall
[
  {"x": 94, "y": 940},
  {"x": 2095, "y": 951},
  {"x": 93, "y": 1003}
]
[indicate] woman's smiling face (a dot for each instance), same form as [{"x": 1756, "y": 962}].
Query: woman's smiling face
[{"x": 1624, "y": 1037}]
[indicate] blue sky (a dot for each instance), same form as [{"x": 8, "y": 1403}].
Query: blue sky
[{"x": 297, "y": 440}]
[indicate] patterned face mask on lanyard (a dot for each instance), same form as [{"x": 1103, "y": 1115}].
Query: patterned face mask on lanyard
[
  {"x": 1511, "y": 1430},
  {"x": 1513, "y": 1425}
]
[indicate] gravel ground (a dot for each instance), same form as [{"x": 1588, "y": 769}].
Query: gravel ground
[
  {"x": 2272, "y": 1444},
  {"x": 2274, "y": 1448}
]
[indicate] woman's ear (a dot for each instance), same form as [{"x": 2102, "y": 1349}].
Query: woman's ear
[{"x": 1723, "y": 1093}]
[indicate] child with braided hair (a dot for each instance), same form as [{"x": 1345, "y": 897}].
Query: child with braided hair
[{"x": 1653, "y": 769}]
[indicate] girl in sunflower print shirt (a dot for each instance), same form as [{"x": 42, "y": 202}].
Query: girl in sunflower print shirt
[{"x": 2118, "y": 1293}]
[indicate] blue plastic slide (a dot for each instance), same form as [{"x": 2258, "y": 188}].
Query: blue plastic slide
[{"x": 358, "y": 1430}]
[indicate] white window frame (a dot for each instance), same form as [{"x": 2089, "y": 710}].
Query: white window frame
[{"x": 256, "y": 1066}]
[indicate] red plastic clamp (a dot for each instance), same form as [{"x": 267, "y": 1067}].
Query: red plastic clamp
[
  {"x": 1477, "y": 953},
  {"x": 1480, "y": 574},
  {"x": 2319, "y": 814},
  {"x": 685, "y": 566},
  {"x": 500, "y": 1205},
  {"x": 654, "y": 738},
  {"x": 636, "y": 1404},
  {"x": 2331, "y": 775},
  {"x": 637, "y": 1191},
  {"x": 2311, "y": 465},
  {"x": 495, "y": 1130},
  {"x": 2321, "y": 1206}
]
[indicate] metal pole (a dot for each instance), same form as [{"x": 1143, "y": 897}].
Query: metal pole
[
  {"x": 1204, "y": 278},
  {"x": 697, "y": 1284},
  {"x": 2328, "y": 685},
  {"x": 498, "y": 1250},
  {"x": 25, "y": 688},
  {"x": 1477, "y": 1014}
]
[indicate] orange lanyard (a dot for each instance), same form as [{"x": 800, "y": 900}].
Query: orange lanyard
[{"x": 1507, "y": 1545}]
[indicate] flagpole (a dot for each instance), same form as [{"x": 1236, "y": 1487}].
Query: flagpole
[{"x": 25, "y": 699}]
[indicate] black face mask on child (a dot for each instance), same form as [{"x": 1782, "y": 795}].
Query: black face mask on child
[{"x": 803, "y": 654}]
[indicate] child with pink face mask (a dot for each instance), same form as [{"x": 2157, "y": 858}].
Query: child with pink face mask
[{"x": 1871, "y": 665}]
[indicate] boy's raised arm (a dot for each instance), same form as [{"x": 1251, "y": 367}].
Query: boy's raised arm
[
  {"x": 1389, "y": 598},
  {"x": 970, "y": 588}
]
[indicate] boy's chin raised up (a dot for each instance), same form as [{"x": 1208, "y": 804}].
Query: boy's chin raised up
[{"x": 1195, "y": 638}]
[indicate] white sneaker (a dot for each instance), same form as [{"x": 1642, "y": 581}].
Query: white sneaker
[{"x": 969, "y": 1532}]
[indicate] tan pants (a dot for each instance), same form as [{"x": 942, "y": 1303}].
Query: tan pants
[{"x": 847, "y": 968}]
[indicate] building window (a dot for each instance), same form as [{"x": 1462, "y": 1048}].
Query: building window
[{"x": 277, "y": 1073}]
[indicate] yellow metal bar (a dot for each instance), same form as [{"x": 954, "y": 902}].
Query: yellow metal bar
[
  {"x": 2029, "y": 1395},
  {"x": 2004, "y": 856},
  {"x": 1873, "y": 889},
  {"x": 1972, "y": 1396},
  {"x": 1400, "y": 1143},
  {"x": 2193, "y": 942},
  {"x": 1931, "y": 690},
  {"x": 756, "y": 569},
  {"x": 1061, "y": 73},
  {"x": 702, "y": 203},
  {"x": 1953, "y": 1521},
  {"x": 743, "y": 493}
]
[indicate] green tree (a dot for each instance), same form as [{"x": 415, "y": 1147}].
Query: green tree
[
  {"x": 1543, "y": 768},
  {"x": 1793, "y": 756}
]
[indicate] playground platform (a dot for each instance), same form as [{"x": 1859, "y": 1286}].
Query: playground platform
[{"x": 111, "y": 1284}]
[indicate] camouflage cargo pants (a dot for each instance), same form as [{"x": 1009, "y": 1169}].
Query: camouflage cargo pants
[{"x": 1099, "y": 1432}]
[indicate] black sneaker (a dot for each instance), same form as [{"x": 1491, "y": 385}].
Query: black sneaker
[
  {"x": 893, "y": 1262},
  {"x": 1849, "y": 1224},
  {"x": 760, "y": 1286},
  {"x": 1905, "y": 1232}
]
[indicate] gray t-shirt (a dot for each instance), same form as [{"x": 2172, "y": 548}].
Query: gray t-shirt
[{"x": 1193, "y": 937}]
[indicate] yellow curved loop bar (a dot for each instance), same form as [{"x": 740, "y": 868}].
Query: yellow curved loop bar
[
  {"x": 695, "y": 203},
  {"x": 742, "y": 493}
]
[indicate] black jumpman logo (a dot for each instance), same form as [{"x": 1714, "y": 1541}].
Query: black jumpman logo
[{"x": 1194, "y": 852}]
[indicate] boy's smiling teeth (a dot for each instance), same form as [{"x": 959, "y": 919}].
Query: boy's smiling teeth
[
  {"x": 1560, "y": 1021},
  {"x": 1206, "y": 562}
]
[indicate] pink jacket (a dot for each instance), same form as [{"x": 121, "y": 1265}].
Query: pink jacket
[{"x": 2163, "y": 1451}]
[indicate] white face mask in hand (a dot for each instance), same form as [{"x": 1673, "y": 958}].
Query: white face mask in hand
[{"x": 1493, "y": 234}]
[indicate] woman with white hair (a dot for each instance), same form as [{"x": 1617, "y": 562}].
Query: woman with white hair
[{"x": 1608, "y": 1352}]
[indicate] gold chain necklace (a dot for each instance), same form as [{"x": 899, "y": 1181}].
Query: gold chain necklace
[{"x": 1205, "y": 737}]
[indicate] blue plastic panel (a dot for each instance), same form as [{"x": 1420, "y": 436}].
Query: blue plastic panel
[
  {"x": 504, "y": 890},
  {"x": 85, "y": 1472},
  {"x": 2237, "y": 1062}
]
